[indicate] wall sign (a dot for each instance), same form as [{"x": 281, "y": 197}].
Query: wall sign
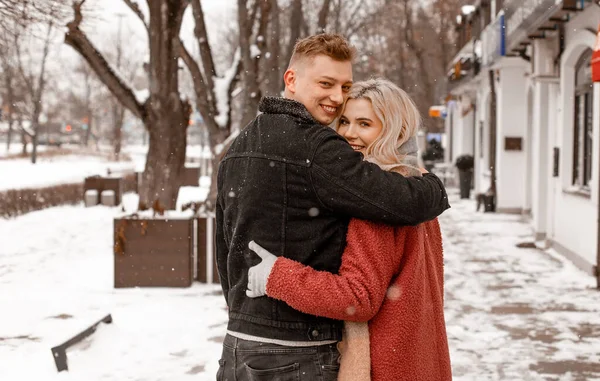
[{"x": 513, "y": 143}]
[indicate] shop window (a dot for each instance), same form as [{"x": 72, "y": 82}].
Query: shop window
[{"x": 583, "y": 123}]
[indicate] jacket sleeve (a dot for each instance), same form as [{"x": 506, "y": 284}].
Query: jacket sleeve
[
  {"x": 348, "y": 185},
  {"x": 369, "y": 263}
]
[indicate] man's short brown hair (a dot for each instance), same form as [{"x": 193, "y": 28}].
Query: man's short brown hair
[{"x": 333, "y": 45}]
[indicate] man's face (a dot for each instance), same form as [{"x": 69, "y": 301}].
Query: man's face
[{"x": 321, "y": 84}]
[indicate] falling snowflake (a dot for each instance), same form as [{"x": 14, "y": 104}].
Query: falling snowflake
[{"x": 394, "y": 292}]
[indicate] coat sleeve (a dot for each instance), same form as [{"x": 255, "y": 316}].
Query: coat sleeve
[
  {"x": 351, "y": 186},
  {"x": 369, "y": 262}
]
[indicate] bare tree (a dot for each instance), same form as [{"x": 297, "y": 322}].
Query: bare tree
[
  {"x": 7, "y": 76},
  {"x": 35, "y": 82},
  {"x": 164, "y": 114},
  {"x": 272, "y": 83},
  {"x": 87, "y": 111}
]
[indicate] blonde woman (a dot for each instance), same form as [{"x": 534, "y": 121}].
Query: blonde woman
[{"x": 390, "y": 277}]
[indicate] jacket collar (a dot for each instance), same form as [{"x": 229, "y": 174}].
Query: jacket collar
[{"x": 279, "y": 105}]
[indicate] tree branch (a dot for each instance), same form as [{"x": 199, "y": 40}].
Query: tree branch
[
  {"x": 41, "y": 79},
  {"x": 296, "y": 19},
  {"x": 134, "y": 6},
  {"x": 205, "y": 107},
  {"x": 205, "y": 53},
  {"x": 352, "y": 28},
  {"x": 28, "y": 80},
  {"x": 323, "y": 15},
  {"x": 252, "y": 18},
  {"x": 79, "y": 41}
]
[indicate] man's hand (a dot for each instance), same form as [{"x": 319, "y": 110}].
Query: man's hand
[{"x": 259, "y": 274}]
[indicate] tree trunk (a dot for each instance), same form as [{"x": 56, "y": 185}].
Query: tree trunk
[
  {"x": 35, "y": 126},
  {"x": 23, "y": 136},
  {"x": 165, "y": 115},
  {"x": 9, "y": 132},
  {"x": 296, "y": 19},
  {"x": 168, "y": 115},
  {"x": 10, "y": 100},
  {"x": 273, "y": 77},
  {"x": 323, "y": 15},
  {"x": 252, "y": 93},
  {"x": 166, "y": 157},
  {"x": 118, "y": 115}
]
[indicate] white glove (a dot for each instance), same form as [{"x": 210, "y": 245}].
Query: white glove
[{"x": 259, "y": 274}]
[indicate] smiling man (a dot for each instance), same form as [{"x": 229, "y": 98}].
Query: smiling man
[
  {"x": 319, "y": 81},
  {"x": 292, "y": 183}
]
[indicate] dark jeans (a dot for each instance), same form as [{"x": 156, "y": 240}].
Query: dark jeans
[{"x": 248, "y": 360}]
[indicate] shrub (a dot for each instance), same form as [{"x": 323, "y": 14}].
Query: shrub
[
  {"x": 15, "y": 202},
  {"x": 465, "y": 162}
]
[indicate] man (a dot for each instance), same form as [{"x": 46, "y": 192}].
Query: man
[{"x": 291, "y": 183}]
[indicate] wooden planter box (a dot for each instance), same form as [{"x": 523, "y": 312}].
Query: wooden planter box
[
  {"x": 101, "y": 184},
  {"x": 154, "y": 252},
  {"x": 206, "y": 250}
]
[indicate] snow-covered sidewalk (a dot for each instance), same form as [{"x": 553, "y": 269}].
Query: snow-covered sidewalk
[{"x": 512, "y": 314}]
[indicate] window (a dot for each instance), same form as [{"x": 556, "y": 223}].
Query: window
[{"x": 582, "y": 132}]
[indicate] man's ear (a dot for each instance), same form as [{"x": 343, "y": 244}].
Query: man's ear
[{"x": 289, "y": 78}]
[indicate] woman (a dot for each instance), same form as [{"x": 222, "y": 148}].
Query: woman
[{"x": 391, "y": 277}]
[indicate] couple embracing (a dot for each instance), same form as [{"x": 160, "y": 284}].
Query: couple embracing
[{"x": 328, "y": 248}]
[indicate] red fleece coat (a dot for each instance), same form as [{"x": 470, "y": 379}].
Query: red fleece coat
[{"x": 391, "y": 277}]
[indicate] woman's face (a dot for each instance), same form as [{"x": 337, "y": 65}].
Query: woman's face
[{"x": 359, "y": 124}]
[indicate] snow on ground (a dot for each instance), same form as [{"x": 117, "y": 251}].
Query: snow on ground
[
  {"x": 21, "y": 173},
  {"x": 54, "y": 170},
  {"x": 16, "y": 148},
  {"x": 57, "y": 278},
  {"x": 512, "y": 314}
]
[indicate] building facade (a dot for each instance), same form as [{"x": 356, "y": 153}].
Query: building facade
[{"x": 522, "y": 102}]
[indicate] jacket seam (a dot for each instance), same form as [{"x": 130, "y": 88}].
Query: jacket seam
[
  {"x": 279, "y": 159},
  {"x": 310, "y": 174},
  {"x": 280, "y": 324},
  {"x": 283, "y": 226}
]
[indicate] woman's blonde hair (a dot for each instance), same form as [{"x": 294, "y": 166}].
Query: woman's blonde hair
[{"x": 401, "y": 121}]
